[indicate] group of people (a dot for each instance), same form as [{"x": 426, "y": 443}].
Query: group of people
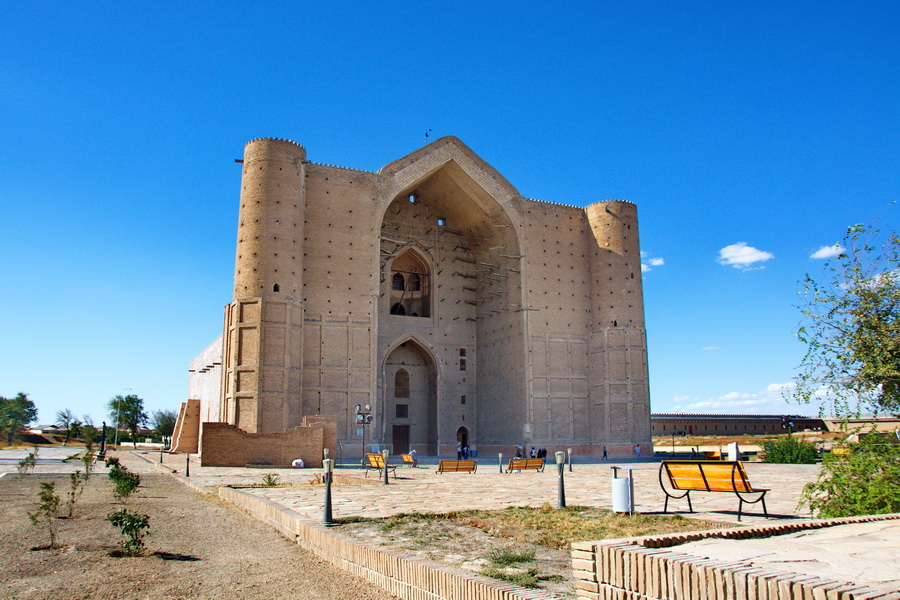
[
  {"x": 462, "y": 451},
  {"x": 533, "y": 453}
]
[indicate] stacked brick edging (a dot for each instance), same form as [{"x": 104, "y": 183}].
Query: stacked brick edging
[
  {"x": 404, "y": 576},
  {"x": 646, "y": 569}
]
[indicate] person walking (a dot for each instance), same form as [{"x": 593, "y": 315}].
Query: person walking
[
  {"x": 458, "y": 450},
  {"x": 605, "y": 457}
]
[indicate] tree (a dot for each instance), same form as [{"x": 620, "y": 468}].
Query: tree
[
  {"x": 852, "y": 327},
  {"x": 128, "y": 411},
  {"x": 65, "y": 418},
  {"x": 163, "y": 422},
  {"x": 15, "y": 413}
]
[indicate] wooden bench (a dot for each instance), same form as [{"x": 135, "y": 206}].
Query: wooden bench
[
  {"x": 409, "y": 459},
  {"x": 455, "y": 466},
  {"x": 375, "y": 462},
  {"x": 708, "y": 476},
  {"x": 523, "y": 464}
]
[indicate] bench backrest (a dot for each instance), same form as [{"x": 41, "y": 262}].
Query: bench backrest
[
  {"x": 407, "y": 458},
  {"x": 525, "y": 463},
  {"x": 707, "y": 475},
  {"x": 457, "y": 465},
  {"x": 375, "y": 460}
]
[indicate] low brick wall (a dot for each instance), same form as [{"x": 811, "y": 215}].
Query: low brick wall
[
  {"x": 407, "y": 577},
  {"x": 225, "y": 445},
  {"x": 652, "y": 568}
]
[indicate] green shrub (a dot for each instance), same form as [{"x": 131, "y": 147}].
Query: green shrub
[
  {"x": 87, "y": 458},
  {"x": 125, "y": 481},
  {"x": 505, "y": 557},
  {"x": 789, "y": 450},
  {"x": 77, "y": 481},
  {"x": 48, "y": 509},
  {"x": 863, "y": 482},
  {"x": 27, "y": 464},
  {"x": 270, "y": 479},
  {"x": 132, "y": 526}
]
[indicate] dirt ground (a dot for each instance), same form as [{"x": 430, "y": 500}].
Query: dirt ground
[{"x": 199, "y": 548}]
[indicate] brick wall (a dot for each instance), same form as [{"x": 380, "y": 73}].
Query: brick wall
[
  {"x": 652, "y": 568},
  {"x": 225, "y": 445}
]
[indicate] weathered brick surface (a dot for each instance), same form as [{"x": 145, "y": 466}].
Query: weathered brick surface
[
  {"x": 542, "y": 301},
  {"x": 225, "y": 445}
]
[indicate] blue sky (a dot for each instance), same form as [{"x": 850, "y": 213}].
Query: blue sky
[{"x": 762, "y": 131}]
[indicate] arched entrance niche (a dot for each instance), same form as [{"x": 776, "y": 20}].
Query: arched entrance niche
[
  {"x": 410, "y": 284},
  {"x": 462, "y": 437},
  {"x": 454, "y": 227},
  {"x": 410, "y": 399}
]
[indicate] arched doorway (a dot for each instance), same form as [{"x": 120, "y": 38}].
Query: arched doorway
[
  {"x": 410, "y": 402},
  {"x": 462, "y": 437}
]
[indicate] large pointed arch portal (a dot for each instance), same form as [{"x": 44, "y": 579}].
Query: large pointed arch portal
[{"x": 451, "y": 275}]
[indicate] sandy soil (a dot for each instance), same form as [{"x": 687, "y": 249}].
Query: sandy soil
[{"x": 199, "y": 548}]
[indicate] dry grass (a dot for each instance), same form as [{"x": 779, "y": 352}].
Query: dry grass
[{"x": 547, "y": 526}]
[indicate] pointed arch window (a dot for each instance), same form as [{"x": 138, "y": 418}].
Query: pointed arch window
[
  {"x": 410, "y": 285},
  {"x": 401, "y": 384}
]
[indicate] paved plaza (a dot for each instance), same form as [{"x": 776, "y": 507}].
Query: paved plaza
[{"x": 423, "y": 490}]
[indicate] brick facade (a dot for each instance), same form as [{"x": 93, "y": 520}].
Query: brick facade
[{"x": 509, "y": 320}]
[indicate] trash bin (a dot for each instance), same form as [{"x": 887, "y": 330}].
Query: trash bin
[{"x": 623, "y": 491}]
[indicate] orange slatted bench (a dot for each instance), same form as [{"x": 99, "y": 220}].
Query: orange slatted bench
[{"x": 708, "y": 476}]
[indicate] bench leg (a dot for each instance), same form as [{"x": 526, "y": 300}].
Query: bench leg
[
  {"x": 690, "y": 506},
  {"x": 666, "y": 505},
  {"x": 740, "y": 507}
]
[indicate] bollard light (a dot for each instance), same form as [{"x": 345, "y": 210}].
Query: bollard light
[
  {"x": 329, "y": 470},
  {"x": 569, "y": 453},
  {"x": 160, "y": 455},
  {"x": 561, "y": 492},
  {"x": 384, "y": 454},
  {"x": 500, "y": 461},
  {"x": 187, "y": 465}
]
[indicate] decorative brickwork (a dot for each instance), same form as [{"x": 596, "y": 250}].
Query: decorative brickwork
[{"x": 530, "y": 311}]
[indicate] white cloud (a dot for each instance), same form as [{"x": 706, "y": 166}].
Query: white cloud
[
  {"x": 648, "y": 263},
  {"x": 708, "y": 348},
  {"x": 828, "y": 251},
  {"x": 772, "y": 400},
  {"x": 741, "y": 256}
]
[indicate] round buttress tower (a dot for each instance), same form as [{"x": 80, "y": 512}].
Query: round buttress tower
[{"x": 269, "y": 261}]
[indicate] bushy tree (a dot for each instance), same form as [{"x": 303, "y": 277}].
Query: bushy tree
[
  {"x": 864, "y": 481},
  {"x": 15, "y": 414},
  {"x": 163, "y": 422},
  {"x": 128, "y": 411},
  {"x": 852, "y": 327}
]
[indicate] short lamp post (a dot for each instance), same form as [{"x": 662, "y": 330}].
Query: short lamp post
[
  {"x": 187, "y": 465},
  {"x": 363, "y": 418},
  {"x": 569, "y": 458},
  {"x": 560, "y": 468},
  {"x": 384, "y": 457},
  {"x": 500, "y": 461},
  {"x": 329, "y": 470}
]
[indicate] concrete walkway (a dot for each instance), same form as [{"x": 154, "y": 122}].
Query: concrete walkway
[{"x": 423, "y": 490}]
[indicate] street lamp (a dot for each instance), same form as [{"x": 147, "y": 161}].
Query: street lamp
[
  {"x": 384, "y": 457},
  {"x": 560, "y": 467},
  {"x": 363, "y": 418},
  {"x": 329, "y": 469}
]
